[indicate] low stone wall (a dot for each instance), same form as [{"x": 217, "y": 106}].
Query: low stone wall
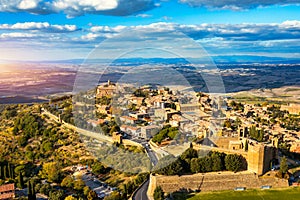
[
  {"x": 87, "y": 133},
  {"x": 151, "y": 187},
  {"x": 216, "y": 181},
  {"x": 131, "y": 143}
]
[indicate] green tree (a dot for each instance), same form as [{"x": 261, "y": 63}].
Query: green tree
[
  {"x": 283, "y": 166},
  {"x": 79, "y": 185},
  {"x": 174, "y": 168},
  {"x": 45, "y": 189},
  {"x": 33, "y": 193},
  {"x": 98, "y": 168},
  {"x": 114, "y": 196},
  {"x": 68, "y": 182},
  {"x": 70, "y": 198},
  {"x": 20, "y": 181},
  {"x": 158, "y": 193},
  {"x": 227, "y": 124},
  {"x": 189, "y": 154},
  {"x": 29, "y": 155},
  {"x": 47, "y": 146},
  {"x": 51, "y": 171},
  {"x": 29, "y": 193},
  {"x": 22, "y": 141},
  {"x": 92, "y": 195},
  {"x": 5, "y": 175},
  {"x": 216, "y": 162},
  {"x": 86, "y": 190},
  {"x": 56, "y": 195},
  {"x": 195, "y": 167},
  {"x": 233, "y": 162},
  {"x": 246, "y": 145}
]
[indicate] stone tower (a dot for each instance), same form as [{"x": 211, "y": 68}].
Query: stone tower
[{"x": 260, "y": 157}]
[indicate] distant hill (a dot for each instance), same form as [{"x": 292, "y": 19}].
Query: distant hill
[{"x": 240, "y": 59}]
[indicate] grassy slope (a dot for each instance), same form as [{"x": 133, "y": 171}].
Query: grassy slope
[{"x": 284, "y": 194}]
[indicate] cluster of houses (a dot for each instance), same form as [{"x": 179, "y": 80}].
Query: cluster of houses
[
  {"x": 144, "y": 114},
  {"x": 192, "y": 113},
  {"x": 249, "y": 118}
]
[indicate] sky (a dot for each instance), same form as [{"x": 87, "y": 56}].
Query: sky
[{"x": 39, "y": 30}]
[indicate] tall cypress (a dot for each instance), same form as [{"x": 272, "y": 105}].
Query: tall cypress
[
  {"x": 9, "y": 170},
  {"x": 12, "y": 171},
  {"x": 1, "y": 172},
  {"x": 29, "y": 194},
  {"x": 4, "y": 172},
  {"x": 33, "y": 191},
  {"x": 21, "y": 180}
]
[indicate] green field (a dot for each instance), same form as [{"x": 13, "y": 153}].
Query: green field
[{"x": 283, "y": 194}]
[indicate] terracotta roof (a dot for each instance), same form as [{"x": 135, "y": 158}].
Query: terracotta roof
[
  {"x": 129, "y": 118},
  {"x": 7, "y": 188},
  {"x": 10, "y": 195},
  {"x": 133, "y": 128}
]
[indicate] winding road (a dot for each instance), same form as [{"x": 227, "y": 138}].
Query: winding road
[{"x": 141, "y": 194}]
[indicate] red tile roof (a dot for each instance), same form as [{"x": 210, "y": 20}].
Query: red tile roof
[{"x": 7, "y": 188}]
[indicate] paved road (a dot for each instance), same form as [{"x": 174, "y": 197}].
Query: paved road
[
  {"x": 152, "y": 156},
  {"x": 149, "y": 151},
  {"x": 141, "y": 194}
]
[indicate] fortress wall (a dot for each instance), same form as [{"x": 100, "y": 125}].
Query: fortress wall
[
  {"x": 223, "y": 142},
  {"x": 216, "y": 181}
]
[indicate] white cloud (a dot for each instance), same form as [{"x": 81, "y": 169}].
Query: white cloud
[
  {"x": 28, "y": 4},
  {"x": 86, "y": 4},
  {"x": 29, "y": 25},
  {"x": 217, "y": 38},
  {"x": 73, "y": 8},
  {"x": 90, "y": 36},
  {"x": 237, "y": 4},
  {"x": 41, "y": 26},
  {"x": 107, "y": 29},
  {"x": 16, "y": 35},
  {"x": 144, "y": 15}
]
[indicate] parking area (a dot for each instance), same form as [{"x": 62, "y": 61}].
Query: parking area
[{"x": 101, "y": 188}]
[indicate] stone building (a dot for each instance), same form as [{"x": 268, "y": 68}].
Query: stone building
[
  {"x": 106, "y": 90},
  {"x": 261, "y": 157}
]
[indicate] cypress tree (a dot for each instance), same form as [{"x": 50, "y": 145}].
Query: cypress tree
[
  {"x": 9, "y": 170},
  {"x": 33, "y": 191},
  {"x": 246, "y": 145},
  {"x": 21, "y": 180},
  {"x": 12, "y": 171},
  {"x": 4, "y": 172},
  {"x": 1, "y": 174},
  {"x": 29, "y": 191}
]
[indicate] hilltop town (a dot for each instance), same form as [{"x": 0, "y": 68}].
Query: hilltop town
[
  {"x": 189, "y": 142},
  {"x": 142, "y": 112},
  {"x": 170, "y": 120}
]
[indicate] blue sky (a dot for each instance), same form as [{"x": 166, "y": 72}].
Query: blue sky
[{"x": 70, "y": 29}]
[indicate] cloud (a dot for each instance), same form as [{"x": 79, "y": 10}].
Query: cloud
[
  {"x": 73, "y": 8},
  {"x": 41, "y": 26},
  {"x": 30, "y": 6},
  {"x": 144, "y": 15},
  {"x": 107, "y": 29},
  {"x": 17, "y": 35},
  {"x": 227, "y": 32},
  {"x": 216, "y": 38},
  {"x": 237, "y": 4}
]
